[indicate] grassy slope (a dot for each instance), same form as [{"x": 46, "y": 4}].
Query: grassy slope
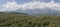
[{"x": 22, "y": 20}]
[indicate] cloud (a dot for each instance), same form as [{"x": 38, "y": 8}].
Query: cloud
[{"x": 31, "y": 5}]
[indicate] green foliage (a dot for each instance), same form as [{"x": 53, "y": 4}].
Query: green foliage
[{"x": 21, "y": 20}]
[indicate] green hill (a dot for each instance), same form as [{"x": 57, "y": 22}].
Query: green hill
[{"x": 24, "y": 20}]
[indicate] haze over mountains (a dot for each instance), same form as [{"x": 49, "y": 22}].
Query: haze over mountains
[{"x": 35, "y": 7}]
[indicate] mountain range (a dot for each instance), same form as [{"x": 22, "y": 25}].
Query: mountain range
[{"x": 36, "y": 11}]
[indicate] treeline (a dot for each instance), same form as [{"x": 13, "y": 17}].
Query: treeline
[{"x": 20, "y": 20}]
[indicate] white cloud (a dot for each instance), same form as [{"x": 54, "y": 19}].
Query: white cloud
[{"x": 31, "y": 5}]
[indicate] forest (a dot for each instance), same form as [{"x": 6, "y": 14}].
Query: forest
[{"x": 24, "y": 20}]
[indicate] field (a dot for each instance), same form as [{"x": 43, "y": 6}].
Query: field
[{"x": 23, "y": 20}]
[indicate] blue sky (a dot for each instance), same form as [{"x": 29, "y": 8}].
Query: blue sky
[
  {"x": 28, "y": 4},
  {"x": 22, "y": 1}
]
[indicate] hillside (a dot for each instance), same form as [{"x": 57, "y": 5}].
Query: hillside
[{"x": 22, "y": 20}]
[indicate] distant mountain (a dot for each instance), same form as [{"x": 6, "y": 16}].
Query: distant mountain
[
  {"x": 46, "y": 11},
  {"x": 39, "y": 11},
  {"x": 13, "y": 13}
]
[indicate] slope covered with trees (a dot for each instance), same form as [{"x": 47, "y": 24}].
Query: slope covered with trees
[{"x": 23, "y": 20}]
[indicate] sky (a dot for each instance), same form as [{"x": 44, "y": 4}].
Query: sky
[
  {"x": 28, "y": 4},
  {"x": 21, "y": 1}
]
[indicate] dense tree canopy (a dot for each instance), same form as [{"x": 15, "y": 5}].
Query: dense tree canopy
[{"x": 22, "y": 20}]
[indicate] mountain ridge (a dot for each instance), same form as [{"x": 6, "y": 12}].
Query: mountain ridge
[{"x": 35, "y": 11}]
